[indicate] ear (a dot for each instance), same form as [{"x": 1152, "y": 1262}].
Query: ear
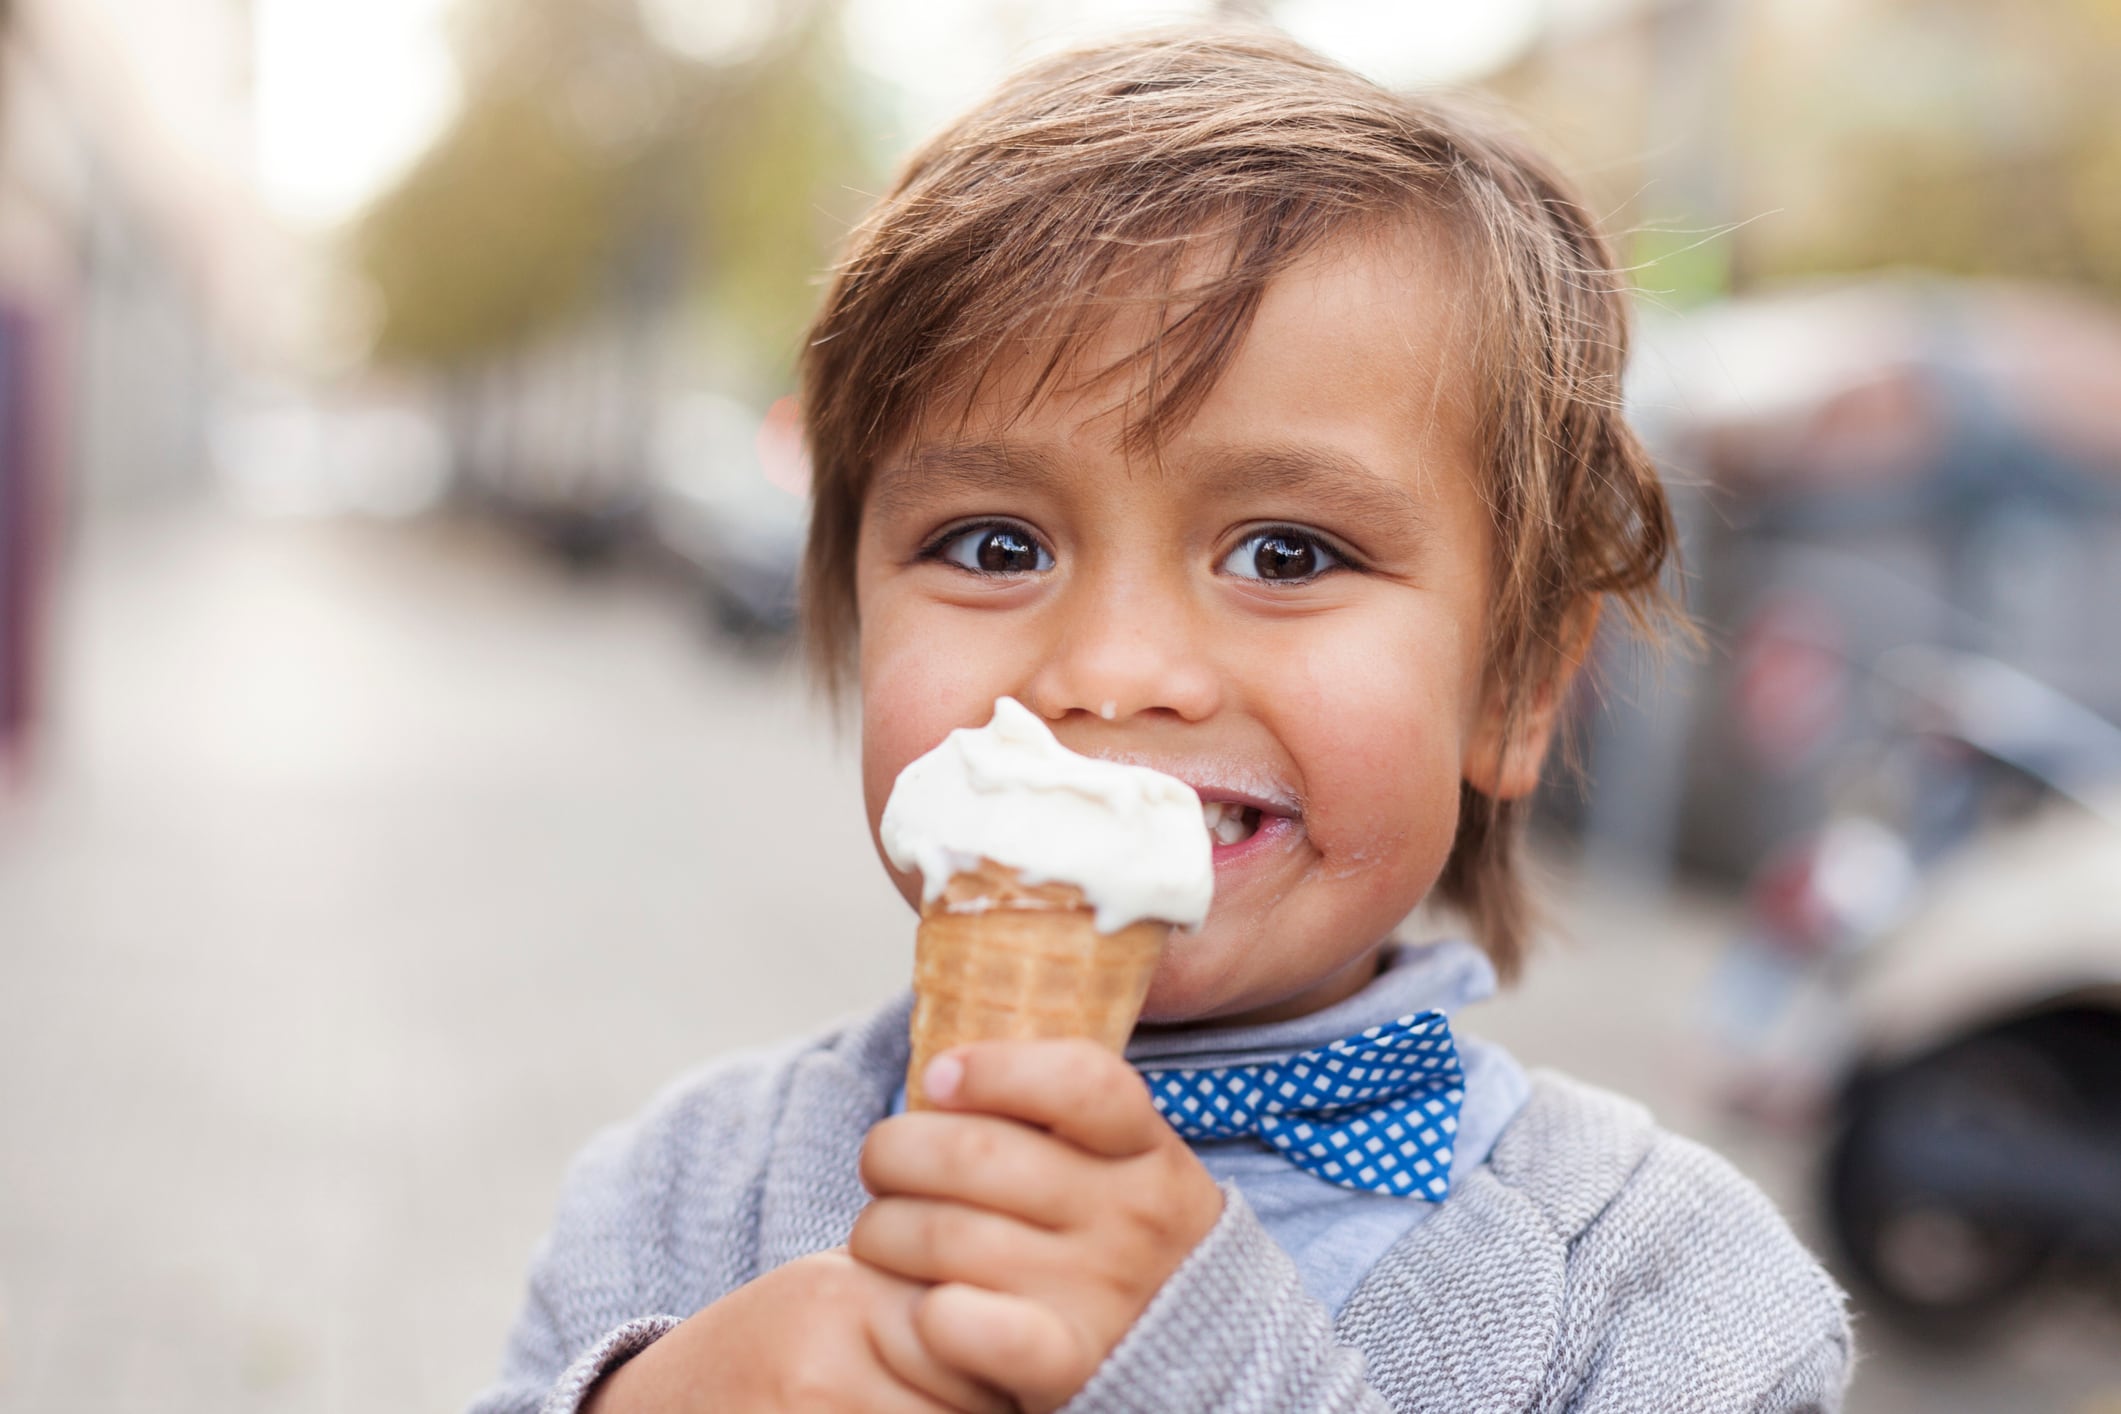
[{"x": 1503, "y": 760}]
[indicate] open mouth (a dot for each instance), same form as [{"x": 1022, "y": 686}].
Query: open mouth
[{"x": 1229, "y": 822}]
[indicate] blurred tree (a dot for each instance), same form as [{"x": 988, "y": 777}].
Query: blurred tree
[
  {"x": 497, "y": 233},
  {"x": 778, "y": 191},
  {"x": 594, "y": 167},
  {"x": 1967, "y": 136},
  {"x": 1978, "y": 137}
]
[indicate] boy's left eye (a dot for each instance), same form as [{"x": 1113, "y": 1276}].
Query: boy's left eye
[{"x": 1280, "y": 555}]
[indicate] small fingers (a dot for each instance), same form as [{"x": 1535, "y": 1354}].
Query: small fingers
[
  {"x": 981, "y": 1160},
  {"x": 899, "y": 1348},
  {"x": 1011, "y": 1342},
  {"x": 892, "y": 1396},
  {"x": 926, "y": 1240},
  {"x": 1074, "y": 1089}
]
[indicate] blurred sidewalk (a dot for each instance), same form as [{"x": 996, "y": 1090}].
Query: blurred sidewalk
[{"x": 371, "y": 869}]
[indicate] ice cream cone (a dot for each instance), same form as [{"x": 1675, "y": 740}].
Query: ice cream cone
[{"x": 996, "y": 958}]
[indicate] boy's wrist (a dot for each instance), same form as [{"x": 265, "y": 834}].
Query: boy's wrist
[
  {"x": 587, "y": 1387},
  {"x": 1232, "y": 1328}
]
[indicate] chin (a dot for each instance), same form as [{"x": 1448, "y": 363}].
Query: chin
[
  {"x": 1192, "y": 986},
  {"x": 1174, "y": 997}
]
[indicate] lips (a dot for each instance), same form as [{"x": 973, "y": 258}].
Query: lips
[{"x": 1244, "y": 809}]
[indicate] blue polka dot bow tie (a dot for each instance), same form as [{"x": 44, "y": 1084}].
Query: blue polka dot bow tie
[{"x": 1377, "y": 1111}]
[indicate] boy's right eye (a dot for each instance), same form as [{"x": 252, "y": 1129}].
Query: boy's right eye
[{"x": 994, "y": 547}]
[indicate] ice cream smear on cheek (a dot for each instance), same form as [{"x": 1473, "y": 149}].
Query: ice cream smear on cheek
[{"x": 1130, "y": 838}]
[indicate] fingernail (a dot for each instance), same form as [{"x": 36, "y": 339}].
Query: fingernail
[{"x": 940, "y": 1079}]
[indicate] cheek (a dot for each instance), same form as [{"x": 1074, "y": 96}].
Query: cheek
[
  {"x": 910, "y": 701},
  {"x": 1378, "y": 739},
  {"x": 905, "y": 711},
  {"x": 920, "y": 677}
]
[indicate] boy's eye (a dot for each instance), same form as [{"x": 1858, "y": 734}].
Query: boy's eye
[
  {"x": 993, "y": 549},
  {"x": 1280, "y": 555}
]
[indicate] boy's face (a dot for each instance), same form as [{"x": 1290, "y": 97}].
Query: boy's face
[{"x": 1285, "y": 609}]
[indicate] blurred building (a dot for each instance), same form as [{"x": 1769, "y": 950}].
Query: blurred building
[{"x": 130, "y": 249}]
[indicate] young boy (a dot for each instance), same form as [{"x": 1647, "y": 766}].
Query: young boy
[{"x": 1249, "y": 422}]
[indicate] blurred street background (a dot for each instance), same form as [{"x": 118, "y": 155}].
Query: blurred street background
[{"x": 404, "y": 771}]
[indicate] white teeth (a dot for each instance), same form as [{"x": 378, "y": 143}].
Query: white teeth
[{"x": 1230, "y": 824}]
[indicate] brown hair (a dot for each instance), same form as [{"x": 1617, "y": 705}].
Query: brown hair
[{"x": 1094, "y": 175}]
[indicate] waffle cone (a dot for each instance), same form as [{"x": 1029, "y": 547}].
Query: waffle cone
[{"x": 997, "y": 958}]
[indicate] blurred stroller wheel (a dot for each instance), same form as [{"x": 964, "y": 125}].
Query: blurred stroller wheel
[{"x": 1952, "y": 1182}]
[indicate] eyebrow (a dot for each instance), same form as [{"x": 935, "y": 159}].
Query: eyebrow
[
  {"x": 1323, "y": 480},
  {"x": 933, "y": 473}
]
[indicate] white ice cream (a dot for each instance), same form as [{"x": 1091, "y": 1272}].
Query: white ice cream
[{"x": 1130, "y": 838}]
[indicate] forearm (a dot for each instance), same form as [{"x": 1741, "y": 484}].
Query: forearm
[{"x": 1232, "y": 1331}]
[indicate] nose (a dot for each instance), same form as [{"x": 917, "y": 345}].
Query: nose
[{"x": 1122, "y": 648}]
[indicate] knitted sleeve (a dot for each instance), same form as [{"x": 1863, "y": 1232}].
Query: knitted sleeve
[
  {"x": 1234, "y": 1331},
  {"x": 1689, "y": 1292},
  {"x": 1598, "y": 1265},
  {"x": 654, "y": 1217}
]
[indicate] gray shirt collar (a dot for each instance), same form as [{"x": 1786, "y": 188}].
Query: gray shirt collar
[{"x": 1434, "y": 976}]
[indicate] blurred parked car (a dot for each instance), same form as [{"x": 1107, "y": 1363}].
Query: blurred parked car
[
  {"x": 551, "y": 437},
  {"x": 726, "y": 498},
  {"x": 569, "y": 442}
]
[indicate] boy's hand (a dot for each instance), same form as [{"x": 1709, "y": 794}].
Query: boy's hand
[
  {"x": 822, "y": 1333},
  {"x": 1048, "y": 1207}
]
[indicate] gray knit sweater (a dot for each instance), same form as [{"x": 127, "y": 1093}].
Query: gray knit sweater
[{"x": 1596, "y": 1264}]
